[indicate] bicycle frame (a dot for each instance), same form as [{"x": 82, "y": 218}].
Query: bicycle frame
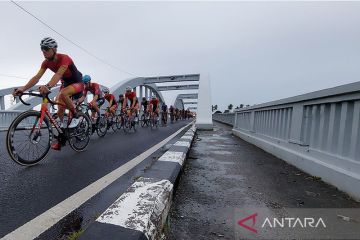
[{"x": 45, "y": 112}]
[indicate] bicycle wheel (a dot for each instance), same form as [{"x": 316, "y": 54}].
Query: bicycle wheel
[
  {"x": 143, "y": 120},
  {"x": 125, "y": 123},
  {"x": 119, "y": 122},
  {"x": 27, "y": 144},
  {"x": 79, "y": 137},
  {"x": 133, "y": 124},
  {"x": 153, "y": 122},
  {"x": 147, "y": 120},
  {"x": 113, "y": 125},
  {"x": 101, "y": 126}
]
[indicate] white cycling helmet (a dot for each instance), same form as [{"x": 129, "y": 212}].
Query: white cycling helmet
[
  {"x": 105, "y": 90},
  {"x": 128, "y": 89},
  {"x": 48, "y": 42}
]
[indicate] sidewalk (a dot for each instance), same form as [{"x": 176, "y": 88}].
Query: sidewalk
[{"x": 224, "y": 174}]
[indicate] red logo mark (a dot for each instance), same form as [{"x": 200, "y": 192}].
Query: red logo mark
[{"x": 253, "y": 217}]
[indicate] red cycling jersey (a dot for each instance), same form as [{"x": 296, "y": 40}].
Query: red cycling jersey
[
  {"x": 154, "y": 102},
  {"x": 94, "y": 89},
  {"x": 130, "y": 96},
  {"x": 110, "y": 97},
  {"x": 71, "y": 75}
]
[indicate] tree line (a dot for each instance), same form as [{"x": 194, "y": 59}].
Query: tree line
[{"x": 229, "y": 108}]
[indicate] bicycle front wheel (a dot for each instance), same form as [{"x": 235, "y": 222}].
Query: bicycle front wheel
[
  {"x": 101, "y": 126},
  {"x": 142, "y": 120},
  {"x": 114, "y": 123},
  {"x": 27, "y": 142}
]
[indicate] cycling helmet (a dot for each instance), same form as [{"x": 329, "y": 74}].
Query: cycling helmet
[
  {"x": 48, "y": 42},
  {"x": 153, "y": 97},
  {"x": 86, "y": 78},
  {"x": 144, "y": 98},
  {"x": 128, "y": 89},
  {"x": 121, "y": 95},
  {"x": 105, "y": 90}
]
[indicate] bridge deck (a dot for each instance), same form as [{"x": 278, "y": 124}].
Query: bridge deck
[{"x": 224, "y": 175}]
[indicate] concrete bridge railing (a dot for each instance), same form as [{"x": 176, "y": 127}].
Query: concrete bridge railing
[
  {"x": 7, "y": 117},
  {"x": 227, "y": 118},
  {"x": 318, "y": 132}
]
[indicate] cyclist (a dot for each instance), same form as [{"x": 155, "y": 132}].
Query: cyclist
[
  {"x": 164, "y": 112},
  {"x": 112, "y": 101},
  {"x": 134, "y": 103},
  {"x": 145, "y": 105},
  {"x": 97, "y": 101},
  {"x": 121, "y": 100},
  {"x": 176, "y": 114},
  {"x": 172, "y": 113},
  {"x": 65, "y": 70},
  {"x": 154, "y": 106}
]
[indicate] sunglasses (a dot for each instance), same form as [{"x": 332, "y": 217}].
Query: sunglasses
[{"x": 44, "y": 48}]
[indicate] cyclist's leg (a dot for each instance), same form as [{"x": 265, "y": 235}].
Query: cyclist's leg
[
  {"x": 113, "y": 109},
  {"x": 99, "y": 102},
  {"x": 65, "y": 96},
  {"x": 136, "y": 109}
]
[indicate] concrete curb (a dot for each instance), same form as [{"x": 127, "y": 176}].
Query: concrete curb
[{"x": 141, "y": 212}]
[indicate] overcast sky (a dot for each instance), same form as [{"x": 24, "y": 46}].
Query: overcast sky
[{"x": 254, "y": 52}]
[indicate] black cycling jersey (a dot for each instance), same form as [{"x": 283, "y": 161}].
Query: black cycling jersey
[{"x": 145, "y": 104}]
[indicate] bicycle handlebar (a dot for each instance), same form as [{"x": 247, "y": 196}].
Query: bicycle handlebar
[{"x": 36, "y": 95}]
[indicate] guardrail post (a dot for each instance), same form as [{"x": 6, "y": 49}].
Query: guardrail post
[
  {"x": 252, "y": 121},
  {"x": 296, "y": 124},
  {"x": 235, "y": 119},
  {"x": 2, "y": 103}
]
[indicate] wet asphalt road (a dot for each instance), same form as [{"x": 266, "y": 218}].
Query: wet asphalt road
[
  {"x": 26, "y": 192},
  {"x": 224, "y": 174}
]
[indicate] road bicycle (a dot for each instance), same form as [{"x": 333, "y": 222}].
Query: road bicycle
[
  {"x": 145, "y": 119},
  {"x": 100, "y": 125},
  {"x": 154, "y": 120},
  {"x": 172, "y": 117},
  {"x": 30, "y": 134},
  {"x": 112, "y": 121},
  {"x": 164, "y": 118},
  {"x": 129, "y": 121}
]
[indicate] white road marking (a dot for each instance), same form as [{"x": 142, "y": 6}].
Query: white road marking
[
  {"x": 186, "y": 137},
  {"x": 140, "y": 207},
  {"x": 171, "y": 156},
  {"x": 44, "y": 221},
  {"x": 182, "y": 144}
]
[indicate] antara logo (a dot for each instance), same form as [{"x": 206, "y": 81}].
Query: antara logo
[
  {"x": 294, "y": 222},
  {"x": 289, "y": 222},
  {"x": 253, "y": 217}
]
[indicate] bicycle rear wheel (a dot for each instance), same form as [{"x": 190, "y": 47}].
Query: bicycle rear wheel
[
  {"x": 27, "y": 144},
  {"x": 79, "y": 137}
]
